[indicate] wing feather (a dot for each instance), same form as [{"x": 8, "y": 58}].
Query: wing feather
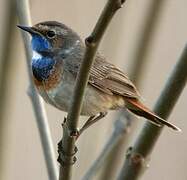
[
  {"x": 109, "y": 79},
  {"x": 104, "y": 76}
]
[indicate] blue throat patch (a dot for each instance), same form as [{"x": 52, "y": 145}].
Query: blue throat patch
[
  {"x": 41, "y": 65},
  {"x": 39, "y": 43}
]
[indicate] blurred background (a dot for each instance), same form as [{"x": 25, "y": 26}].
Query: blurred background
[{"x": 21, "y": 152}]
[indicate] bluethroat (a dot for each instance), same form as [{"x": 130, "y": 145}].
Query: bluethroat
[{"x": 57, "y": 55}]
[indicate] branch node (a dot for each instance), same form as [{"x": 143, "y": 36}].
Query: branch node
[
  {"x": 89, "y": 41},
  {"x": 65, "y": 158},
  {"x": 135, "y": 158},
  {"x": 119, "y": 4},
  {"x": 65, "y": 162},
  {"x": 74, "y": 133},
  {"x": 64, "y": 122}
]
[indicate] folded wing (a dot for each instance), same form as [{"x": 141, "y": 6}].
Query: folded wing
[{"x": 109, "y": 79}]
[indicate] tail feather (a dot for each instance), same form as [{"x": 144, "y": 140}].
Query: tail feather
[{"x": 139, "y": 109}]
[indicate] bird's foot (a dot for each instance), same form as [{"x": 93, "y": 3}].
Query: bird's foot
[
  {"x": 64, "y": 122},
  {"x": 91, "y": 120}
]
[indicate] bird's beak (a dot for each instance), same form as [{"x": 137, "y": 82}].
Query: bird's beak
[{"x": 29, "y": 29}]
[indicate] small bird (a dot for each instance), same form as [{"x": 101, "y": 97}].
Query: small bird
[{"x": 57, "y": 54}]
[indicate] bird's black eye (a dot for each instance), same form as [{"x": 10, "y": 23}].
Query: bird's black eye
[{"x": 51, "y": 34}]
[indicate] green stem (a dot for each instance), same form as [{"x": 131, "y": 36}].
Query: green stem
[{"x": 92, "y": 43}]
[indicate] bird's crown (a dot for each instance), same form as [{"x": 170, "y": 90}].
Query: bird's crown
[{"x": 51, "y": 29}]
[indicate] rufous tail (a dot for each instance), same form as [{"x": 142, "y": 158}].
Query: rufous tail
[{"x": 139, "y": 109}]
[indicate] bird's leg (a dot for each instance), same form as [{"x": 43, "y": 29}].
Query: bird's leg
[
  {"x": 91, "y": 120},
  {"x": 64, "y": 122}
]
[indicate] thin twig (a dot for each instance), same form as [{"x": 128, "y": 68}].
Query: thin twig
[
  {"x": 6, "y": 72},
  {"x": 92, "y": 43},
  {"x": 23, "y": 13},
  {"x": 136, "y": 159}
]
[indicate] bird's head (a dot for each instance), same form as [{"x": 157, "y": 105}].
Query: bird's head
[{"x": 51, "y": 36}]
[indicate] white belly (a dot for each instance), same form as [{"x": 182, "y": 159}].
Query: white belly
[{"x": 94, "y": 100}]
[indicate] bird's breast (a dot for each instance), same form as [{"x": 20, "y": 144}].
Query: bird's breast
[{"x": 46, "y": 72}]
